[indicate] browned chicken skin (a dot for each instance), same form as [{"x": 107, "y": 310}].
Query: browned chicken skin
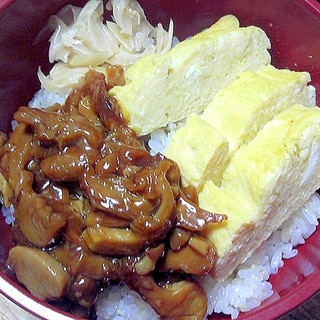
[{"x": 94, "y": 206}]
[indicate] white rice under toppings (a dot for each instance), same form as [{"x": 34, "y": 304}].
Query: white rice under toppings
[
  {"x": 7, "y": 212},
  {"x": 245, "y": 290},
  {"x": 249, "y": 286},
  {"x": 118, "y": 302},
  {"x": 159, "y": 139},
  {"x": 44, "y": 98}
]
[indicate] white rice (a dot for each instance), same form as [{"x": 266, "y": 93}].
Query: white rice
[
  {"x": 44, "y": 98},
  {"x": 159, "y": 139},
  {"x": 245, "y": 290},
  {"x": 249, "y": 285},
  {"x": 7, "y": 212},
  {"x": 119, "y": 303}
]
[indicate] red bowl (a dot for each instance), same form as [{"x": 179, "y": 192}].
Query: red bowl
[{"x": 293, "y": 27}]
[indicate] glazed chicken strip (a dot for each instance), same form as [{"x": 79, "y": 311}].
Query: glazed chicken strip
[
  {"x": 180, "y": 300},
  {"x": 38, "y": 222},
  {"x": 43, "y": 275},
  {"x": 196, "y": 257},
  {"x": 93, "y": 206}
]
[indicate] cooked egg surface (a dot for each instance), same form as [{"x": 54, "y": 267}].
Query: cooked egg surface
[
  {"x": 163, "y": 88},
  {"x": 234, "y": 116},
  {"x": 267, "y": 179},
  {"x": 251, "y": 140},
  {"x": 200, "y": 152},
  {"x": 241, "y": 109}
]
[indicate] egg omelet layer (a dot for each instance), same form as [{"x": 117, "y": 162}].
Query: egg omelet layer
[
  {"x": 251, "y": 140},
  {"x": 253, "y": 155},
  {"x": 163, "y": 88},
  {"x": 234, "y": 116},
  {"x": 264, "y": 183}
]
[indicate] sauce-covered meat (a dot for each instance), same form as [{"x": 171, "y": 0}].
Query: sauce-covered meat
[{"x": 95, "y": 207}]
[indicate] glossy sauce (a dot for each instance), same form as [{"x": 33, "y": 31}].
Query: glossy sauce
[{"x": 87, "y": 192}]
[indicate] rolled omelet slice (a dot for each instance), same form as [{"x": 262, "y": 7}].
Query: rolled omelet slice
[
  {"x": 241, "y": 109},
  {"x": 200, "y": 152},
  {"x": 267, "y": 180},
  {"x": 234, "y": 116},
  {"x": 164, "y": 88}
]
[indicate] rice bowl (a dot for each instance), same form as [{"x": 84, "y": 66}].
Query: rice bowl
[{"x": 310, "y": 271}]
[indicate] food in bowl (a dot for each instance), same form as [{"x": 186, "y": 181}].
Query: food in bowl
[{"x": 86, "y": 139}]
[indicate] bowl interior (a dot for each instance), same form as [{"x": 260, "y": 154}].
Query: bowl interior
[{"x": 286, "y": 22}]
